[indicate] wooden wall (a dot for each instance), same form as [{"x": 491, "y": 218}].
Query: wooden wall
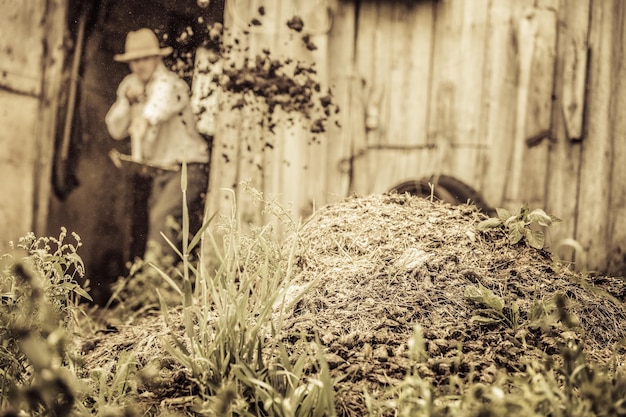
[
  {"x": 31, "y": 44},
  {"x": 519, "y": 99}
]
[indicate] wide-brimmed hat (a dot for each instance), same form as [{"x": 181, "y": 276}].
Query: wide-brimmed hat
[{"x": 141, "y": 43}]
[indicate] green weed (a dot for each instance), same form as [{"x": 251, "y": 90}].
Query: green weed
[
  {"x": 518, "y": 227},
  {"x": 493, "y": 309},
  {"x": 38, "y": 317}
]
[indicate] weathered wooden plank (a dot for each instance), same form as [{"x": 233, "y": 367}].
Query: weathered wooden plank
[
  {"x": 528, "y": 29},
  {"x": 342, "y": 72},
  {"x": 457, "y": 83},
  {"x": 292, "y": 188},
  {"x": 616, "y": 215},
  {"x": 53, "y": 28},
  {"x": 392, "y": 101},
  {"x": 275, "y": 160},
  {"x": 362, "y": 95},
  {"x": 499, "y": 102},
  {"x": 378, "y": 96},
  {"x": 17, "y": 160},
  {"x": 416, "y": 64},
  {"x": 564, "y": 163},
  {"x": 315, "y": 167},
  {"x": 592, "y": 229},
  {"x": 405, "y": 30},
  {"x": 31, "y": 44},
  {"x": 293, "y": 155},
  {"x": 22, "y": 47},
  {"x": 460, "y": 33},
  {"x": 224, "y": 177},
  {"x": 538, "y": 118}
]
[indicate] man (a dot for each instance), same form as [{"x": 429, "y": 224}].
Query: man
[{"x": 153, "y": 109}]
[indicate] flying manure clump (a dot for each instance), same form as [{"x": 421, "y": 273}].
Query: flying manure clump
[
  {"x": 292, "y": 86},
  {"x": 286, "y": 83}
]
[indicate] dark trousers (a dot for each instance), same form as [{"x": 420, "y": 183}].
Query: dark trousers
[{"x": 165, "y": 207}]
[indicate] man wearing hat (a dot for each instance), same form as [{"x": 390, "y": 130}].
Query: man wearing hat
[{"x": 153, "y": 109}]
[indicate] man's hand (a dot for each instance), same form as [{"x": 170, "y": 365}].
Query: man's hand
[
  {"x": 135, "y": 93},
  {"x": 137, "y": 131},
  {"x": 138, "y": 128}
]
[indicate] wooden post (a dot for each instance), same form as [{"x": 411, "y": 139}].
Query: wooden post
[
  {"x": 342, "y": 74},
  {"x": 54, "y": 26}
]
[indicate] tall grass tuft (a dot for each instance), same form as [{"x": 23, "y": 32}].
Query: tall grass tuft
[{"x": 232, "y": 316}]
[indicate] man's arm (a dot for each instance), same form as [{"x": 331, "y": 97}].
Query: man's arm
[
  {"x": 168, "y": 97},
  {"x": 118, "y": 117}
]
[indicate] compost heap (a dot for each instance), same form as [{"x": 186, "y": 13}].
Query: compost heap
[
  {"x": 380, "y": 265},
  {"x": 386, "y": 263}
]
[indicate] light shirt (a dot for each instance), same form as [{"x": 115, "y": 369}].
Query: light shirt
[{"x": 172, "y": 136}]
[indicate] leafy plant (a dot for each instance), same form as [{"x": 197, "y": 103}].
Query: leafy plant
[
  {"x": 519, "y": 227},
  {"x": 283, "y": 389},
  {"x": 494, "y": 309},
  {"x": 55, "y": 267},
  {"x": 40, "y": 297}
]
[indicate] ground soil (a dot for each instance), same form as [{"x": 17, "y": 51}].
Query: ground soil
[{"x": 381, "y": 265}]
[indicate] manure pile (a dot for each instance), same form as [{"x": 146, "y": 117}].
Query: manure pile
[
  {"x": 380, "y": 265},
  {"x": 385, "y": 263}
]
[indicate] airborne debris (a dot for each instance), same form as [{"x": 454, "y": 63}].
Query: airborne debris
[
  {"x": 307, "y": 42},
  {"x": 279, "y": 83},
  {"x": 295, "y": 23},
  {"x": 264, "y": 82}
]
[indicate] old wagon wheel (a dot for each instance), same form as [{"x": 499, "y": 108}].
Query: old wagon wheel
[{"x": 445, "y": 188}]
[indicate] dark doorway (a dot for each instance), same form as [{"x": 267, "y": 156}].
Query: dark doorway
[{"x": 102, "y": 204}]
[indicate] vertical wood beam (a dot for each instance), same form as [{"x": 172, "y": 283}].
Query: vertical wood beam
[
  {"x": 54, "y": 28},
  {"x": 592, "y": 229},
  {"x": 616, "y": 214},
  {"x": 562, "y": 179}
]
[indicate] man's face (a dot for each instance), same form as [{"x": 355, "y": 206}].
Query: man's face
[{"x": 144, "y": 67}]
